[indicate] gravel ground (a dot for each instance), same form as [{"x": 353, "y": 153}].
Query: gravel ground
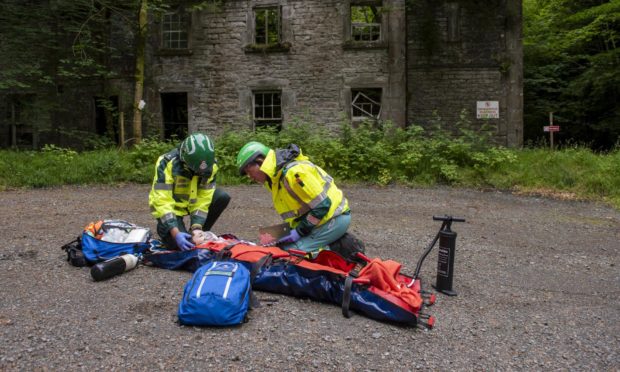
[{"x": 537, "y": 280}]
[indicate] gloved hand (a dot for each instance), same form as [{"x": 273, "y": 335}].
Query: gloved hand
[
  {"x": 292, "y": 237},
  {"x": 184, "y": 241}
]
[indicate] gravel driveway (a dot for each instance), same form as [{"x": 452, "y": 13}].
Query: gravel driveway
[{"x": 538, "y": 287}]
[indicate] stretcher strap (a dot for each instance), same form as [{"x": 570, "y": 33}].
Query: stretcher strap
[
  {"x": 225, "y": 252},
  {"x": 346, "y": 296}
]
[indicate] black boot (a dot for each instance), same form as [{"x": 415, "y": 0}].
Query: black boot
[{"x": 347, "y": 246}]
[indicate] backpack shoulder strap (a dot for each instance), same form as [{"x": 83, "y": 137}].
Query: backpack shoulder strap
[{"x": 75, "y": 244}]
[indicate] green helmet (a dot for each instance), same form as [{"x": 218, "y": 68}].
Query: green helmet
[
  {"x": 248, "y": 153},
  {"x": 198, "y": 153}
]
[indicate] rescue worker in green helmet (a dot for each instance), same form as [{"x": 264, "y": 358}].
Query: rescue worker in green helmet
[
  {"x": 303, "y": 194},
  {"x": 184, "y": 184}
]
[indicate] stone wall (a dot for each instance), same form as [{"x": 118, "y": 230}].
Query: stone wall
[
  {"x": 315, "y": 75},
  {"x": 459, "y": 52},
  {"x": 434, "y": 58},
  {"x": 437, "y": 58}
]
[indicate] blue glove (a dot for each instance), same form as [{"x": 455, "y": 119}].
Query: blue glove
[
  {"x": 184, "y": 241},
  {"x": 292, "y": 237}
]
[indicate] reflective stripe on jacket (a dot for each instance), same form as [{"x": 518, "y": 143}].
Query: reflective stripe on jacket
[
  {"x": 299, "y": 186},
  {"x": 177, "y": 191}
]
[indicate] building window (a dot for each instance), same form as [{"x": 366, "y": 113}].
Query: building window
[
  {"x": 268, "y": 109},
  {"x": 365, "y": 103},
  {"x": 453, "y": 23},
  {"x": 267, "y": 26},
  {"x": 366, "y": 22},
  {"x": 174, "y": 31}
]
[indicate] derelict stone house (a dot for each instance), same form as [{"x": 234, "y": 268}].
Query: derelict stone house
[
  {"x": 252, "y": 63},
  {"x": 265, "y": 62}
]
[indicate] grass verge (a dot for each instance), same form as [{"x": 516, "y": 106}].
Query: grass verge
[{"x": 380, "y": 156}]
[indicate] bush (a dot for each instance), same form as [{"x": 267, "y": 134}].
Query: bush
[
  {"x": 375, "y": 153},
  {"x": 140, "y": 160}
]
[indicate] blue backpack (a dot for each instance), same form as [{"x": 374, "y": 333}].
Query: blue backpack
[
  {"x": 217, "y": 295},
  {"x": 96, "y": 250},
  {"x": 106, "y": 239}
]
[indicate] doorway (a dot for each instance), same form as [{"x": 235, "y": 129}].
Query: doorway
[
  {"x": 174, "y": 112},
  {"x": 106, "y": 118}
]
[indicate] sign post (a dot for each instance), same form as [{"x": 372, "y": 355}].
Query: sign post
[
  {"x": 121, "y": 124},
  {"x": 551, "y": 129}
]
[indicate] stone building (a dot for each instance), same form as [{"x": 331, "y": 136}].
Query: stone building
[{"x": 252, "y": 63}]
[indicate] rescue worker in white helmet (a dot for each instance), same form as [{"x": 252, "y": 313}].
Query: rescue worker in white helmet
[
  {"x": 303, "y": 194},
  {"x": 184, "y": 184}
]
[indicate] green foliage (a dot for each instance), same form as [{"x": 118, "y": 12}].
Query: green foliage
[
  {"x": 228, "y": 144},
  {"x": 84, "y": 139},
  {"x": 378, "y": 154},
  {"x": 208, "y": 5},
  {"x": 577, "y": 171},
  {"x": 147, "y": 151},
  {"x": 48, "y": 43},
  {"x": 572, "y": 67},
  {"x": 142, "y": 157},
  {"x": 65, "y": 155},
  {"x": 49, "y": 48}
]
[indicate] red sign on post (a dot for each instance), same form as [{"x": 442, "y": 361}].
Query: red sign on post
[{"x": 551, "y": 128}]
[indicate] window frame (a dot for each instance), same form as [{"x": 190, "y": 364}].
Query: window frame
[
  {"x": 183, "y": 21},
  {"x": 381, "y": 23},
  {"x": 270, "y": 121},
  {"x": 283, "y": 28},
  {"x": 361, "y": 25},
  {"x": 267, "y": 8},
  {"x": 355, "y": 94}
]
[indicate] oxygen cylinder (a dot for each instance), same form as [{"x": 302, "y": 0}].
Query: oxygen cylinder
[{"x": 112, "y": 267}]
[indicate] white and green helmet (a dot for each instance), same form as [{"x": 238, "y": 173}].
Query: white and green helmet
[{"x": 197, "y": 151}]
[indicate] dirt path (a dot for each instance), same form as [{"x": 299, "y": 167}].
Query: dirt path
[{"x": 538, "y": 285}]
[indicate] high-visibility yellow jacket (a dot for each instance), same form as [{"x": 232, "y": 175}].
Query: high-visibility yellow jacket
[
  {"x": 177, "y": 191},
  {"x": 303, "y": 194}
]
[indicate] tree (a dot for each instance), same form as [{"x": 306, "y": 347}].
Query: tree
[
  {"x": 46, "y": 48},
  {"x": 139, "y": 73},
  {"x": 572, "y": 67}
]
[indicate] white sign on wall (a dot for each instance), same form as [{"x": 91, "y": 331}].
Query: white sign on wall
[{"x": 487, "y": 110}]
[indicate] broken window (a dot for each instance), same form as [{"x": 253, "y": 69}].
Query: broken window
[
  {"x": 268, "y": 109},
  {"x": 267, "y": 26},
  {"x": 365, "y": 103},
  {"x": 366, "y": 22},
  {"x": 174, "y": 30}
]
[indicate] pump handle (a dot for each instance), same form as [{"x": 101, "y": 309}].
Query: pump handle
[{"x": 448, "y": 218}]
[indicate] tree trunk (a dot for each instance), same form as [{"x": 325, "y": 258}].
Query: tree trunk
[{"x": 139, "y": 88}]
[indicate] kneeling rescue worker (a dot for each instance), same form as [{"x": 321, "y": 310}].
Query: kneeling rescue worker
[
  {"x": 184, "y": 184},
  {"x": 304, "y": 195}
]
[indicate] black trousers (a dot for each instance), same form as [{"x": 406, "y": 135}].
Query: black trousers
[{"x": 218, "y": 204}]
